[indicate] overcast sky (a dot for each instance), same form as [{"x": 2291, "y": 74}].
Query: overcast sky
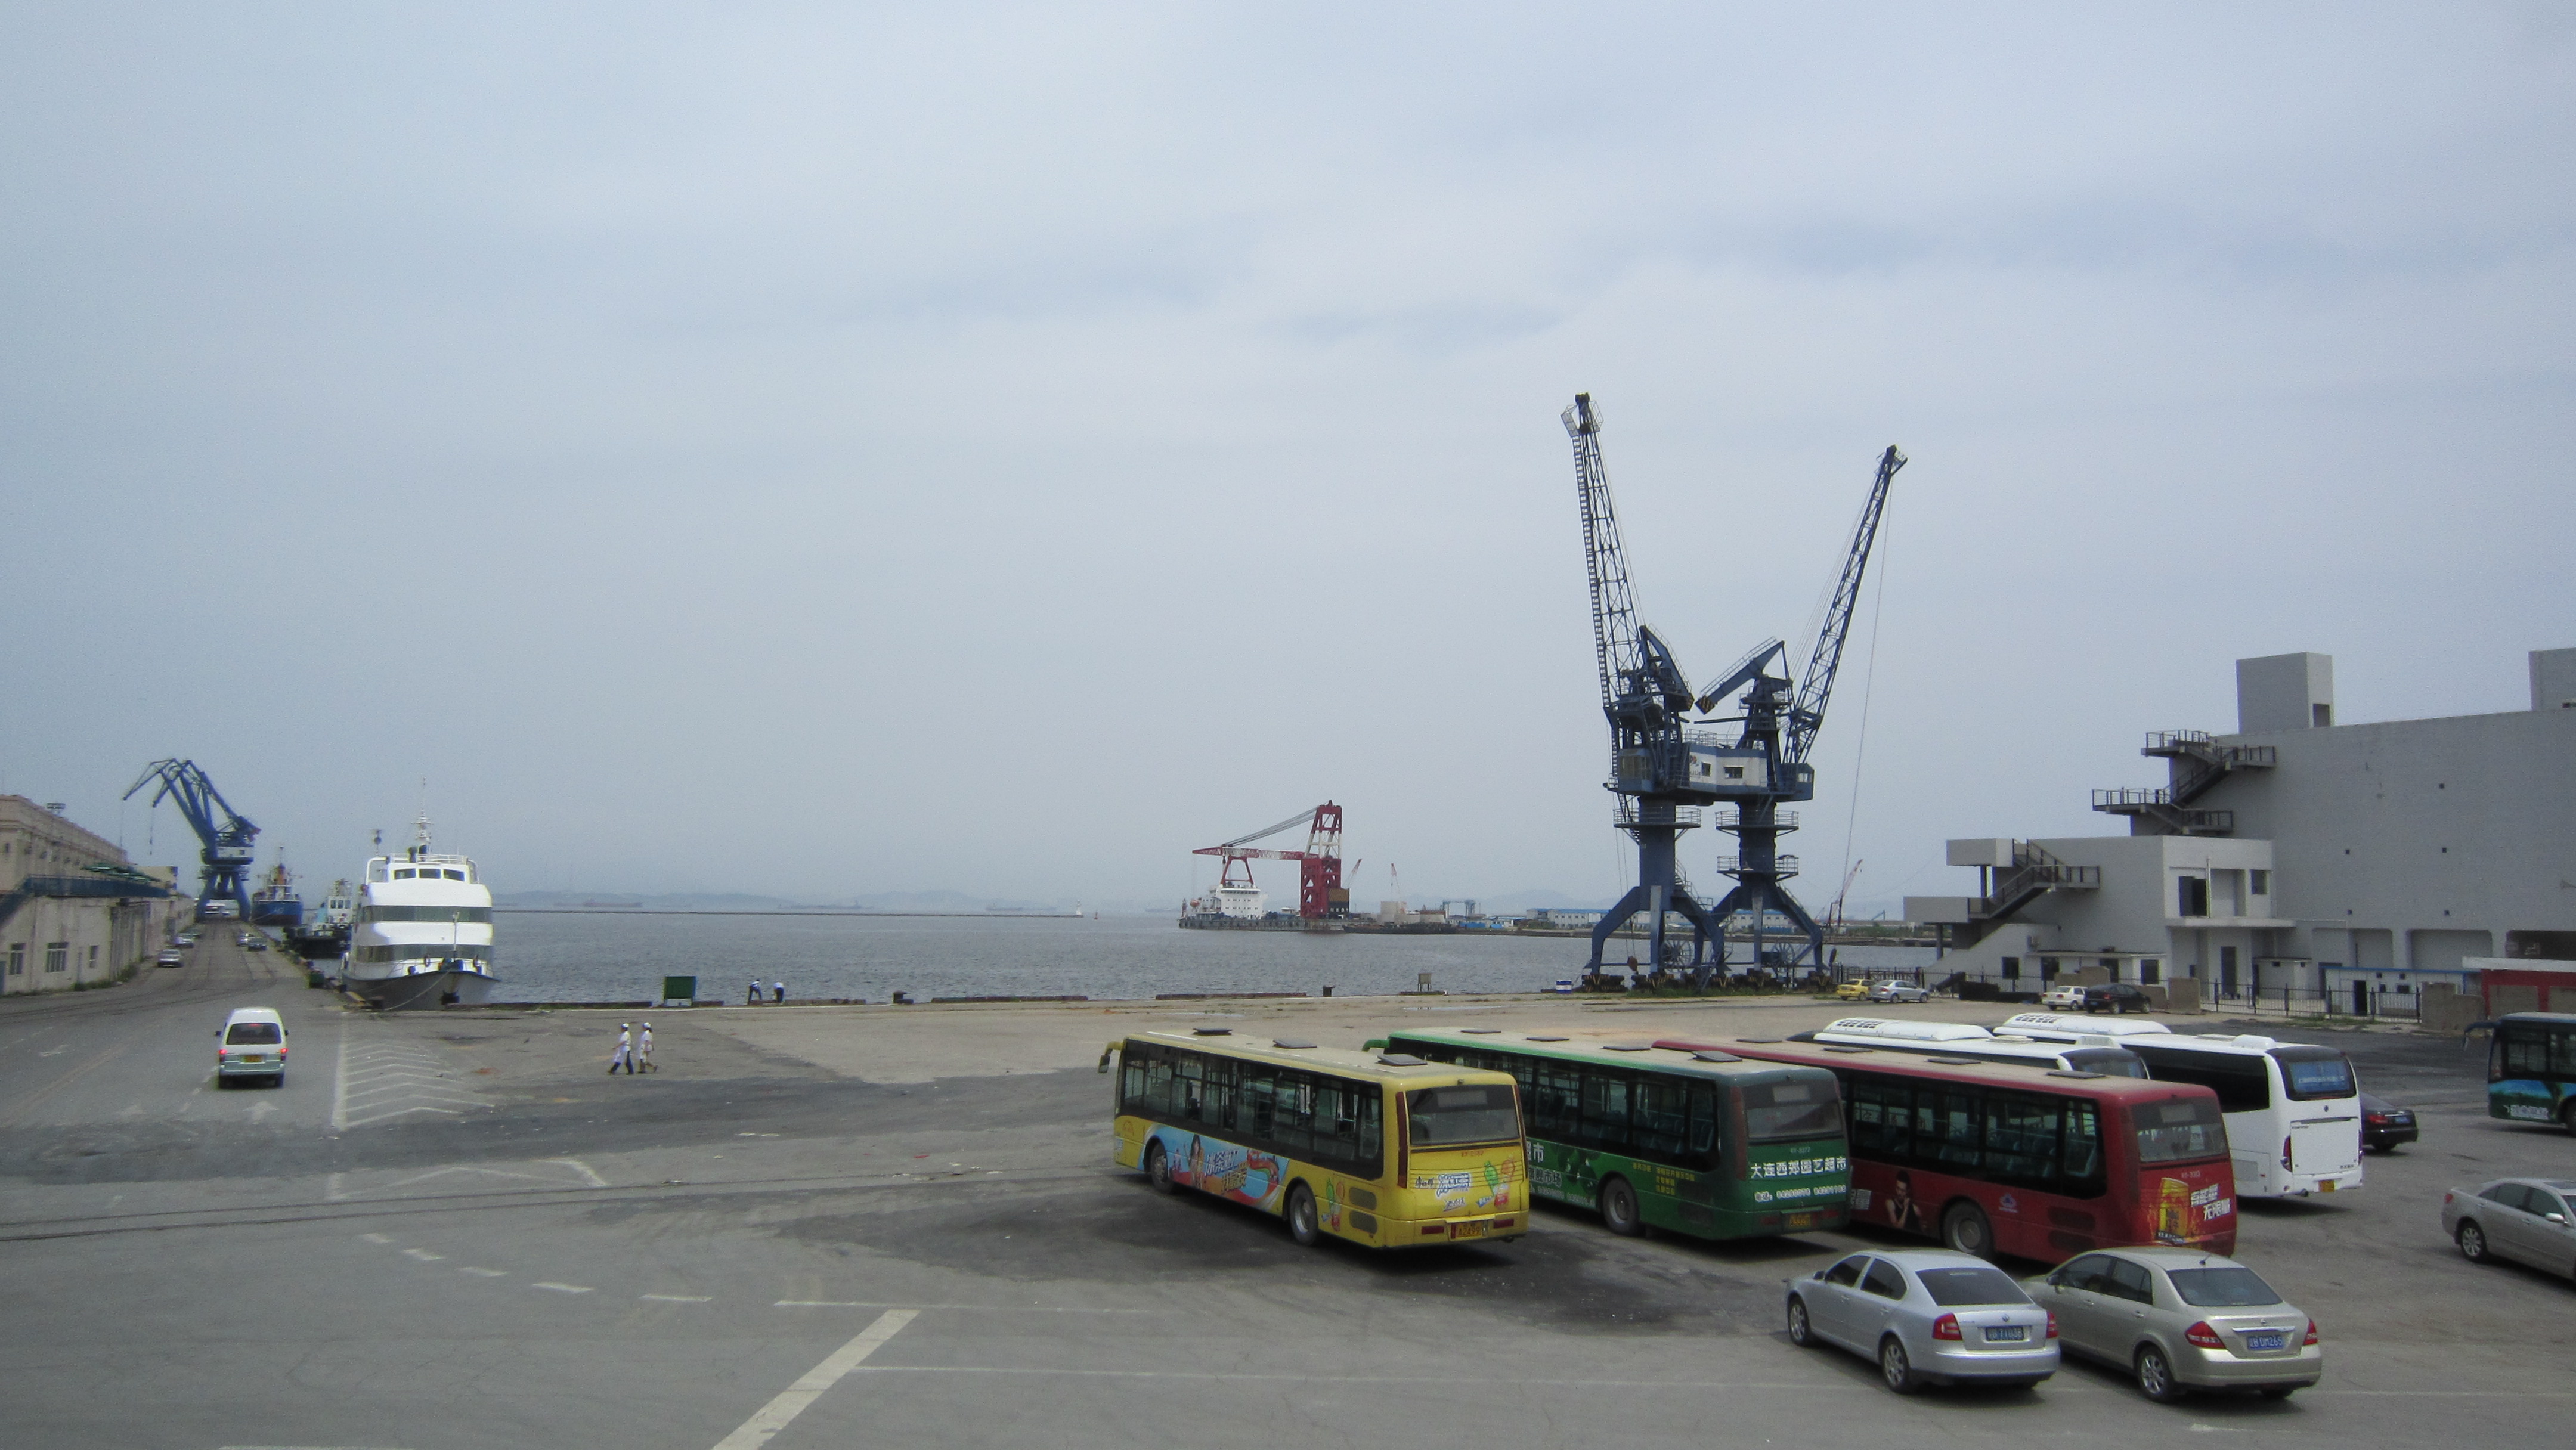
[{"x": 830, "y": 450}]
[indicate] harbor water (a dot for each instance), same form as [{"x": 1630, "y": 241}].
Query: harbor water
[{"x": 615, "y": 956}]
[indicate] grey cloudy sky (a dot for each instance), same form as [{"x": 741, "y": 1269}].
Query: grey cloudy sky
[{"x": 822, "y": 450}]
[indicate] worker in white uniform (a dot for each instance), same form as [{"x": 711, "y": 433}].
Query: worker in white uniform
[
  {"x": 644, "y": 1049},
  {"x": 624, "y": 1056}
]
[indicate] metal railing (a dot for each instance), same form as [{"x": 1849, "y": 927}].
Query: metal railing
[
  {"x": 1624, "y": 816},
  {"x": 2161, "y": 740},
  {"x": 1731, "y": 818},
  {"x": 1783, "y": 866}
]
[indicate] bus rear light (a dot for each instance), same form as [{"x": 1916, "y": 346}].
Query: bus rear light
[
  {"x": 1434, "y": 1230},
  {"x": 2201, "y": 1334},
  {"x": 2312, "y": 1332},
  {"x": 2052, "y": 1324},
  {"x": 2285, "y": 1152},
  {"x": 1502, "y": 1223},
  {"x": 1947, "y": 1327}
]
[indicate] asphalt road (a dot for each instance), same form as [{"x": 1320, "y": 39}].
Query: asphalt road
[{"x": 454, "y": 1230}]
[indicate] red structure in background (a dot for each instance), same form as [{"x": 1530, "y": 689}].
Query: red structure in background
[{"x": 1319, "y": 866}]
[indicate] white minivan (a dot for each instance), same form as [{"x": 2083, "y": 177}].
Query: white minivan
[{"x": 251, "y": 1043}]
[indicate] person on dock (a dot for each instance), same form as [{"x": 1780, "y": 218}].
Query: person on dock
[
  {"x": 780, "y": 988},
  {"x": 754, "y": 999},
  {"x": 644, "y": 1049},
  {"x": 624, "y": 1056}
]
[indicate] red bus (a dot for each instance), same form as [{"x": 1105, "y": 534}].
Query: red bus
[{"x": 2036, "y": 1162}]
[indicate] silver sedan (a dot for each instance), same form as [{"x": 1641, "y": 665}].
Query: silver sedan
[
  {"x": 2180, "y": 1320},
  {"x": 1928, "y": 1316},
  {"x": 2529, "y": 1220}
]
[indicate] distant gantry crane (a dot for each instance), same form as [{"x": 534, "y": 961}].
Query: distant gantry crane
[
  {"x": 1319, "y": 868},
  {"x": 1664, "y": 772},
  {"x": 227, "y": 853}
]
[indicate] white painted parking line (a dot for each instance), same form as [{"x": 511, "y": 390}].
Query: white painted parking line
[
  {"x": 679, "y": 1298},
  {"x": 485, "y": 1273},
  {"x": 378, "y": 1080},
  {"x": 561, "y": 1288},
  {"x": 375, "y": 1238},
  {"x": 791, "y": 1402},
  {"x": 424, "y": 1255},
  {"x": 997, "y": 1308}
]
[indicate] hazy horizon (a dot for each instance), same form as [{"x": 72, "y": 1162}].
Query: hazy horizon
[{"x": 816, "y": 452}]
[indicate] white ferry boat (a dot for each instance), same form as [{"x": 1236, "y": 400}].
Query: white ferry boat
[{"x": 423, "y": 933}]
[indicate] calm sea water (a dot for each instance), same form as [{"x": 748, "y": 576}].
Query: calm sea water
[{"x": 605, "y": 956}]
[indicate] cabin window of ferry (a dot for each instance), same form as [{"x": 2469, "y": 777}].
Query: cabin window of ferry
[
  {"x": 454, "y": 875},
  {"x": 403, "y": 875}
]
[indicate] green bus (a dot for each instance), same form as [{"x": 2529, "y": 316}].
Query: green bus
[
  {"x": 1702, "y": 1143},
  {"x": 2531, "y": 1068}
]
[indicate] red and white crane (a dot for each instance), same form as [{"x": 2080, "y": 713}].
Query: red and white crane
[{"x": 1319, "y": 866}]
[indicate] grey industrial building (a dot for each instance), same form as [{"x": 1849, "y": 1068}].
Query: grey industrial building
[
  {"x": 73, "y": 910},
  {"x": 2344, "y": 865}
]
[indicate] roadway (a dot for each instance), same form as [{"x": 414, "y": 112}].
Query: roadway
[{"x": 455, "y": 1230}]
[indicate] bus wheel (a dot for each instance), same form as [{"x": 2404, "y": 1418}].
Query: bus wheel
[
  {"x": 1619, "y": 1207},
  {"x": 1158, "y": 1167},
  {"x": 1965, "y": 1228},
  {"x": 1301, "y": 1216}
]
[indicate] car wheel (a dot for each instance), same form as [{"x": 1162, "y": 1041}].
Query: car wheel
[
  {"x": 1964, "y": 1228},
  {"x": 2473, "y": 1243},
  {"x": 1301, "y": 1216},
  {"x": 2155, "y": 1376},
  {"x": 1158, "y": 1168},
  {"x": 1801, "y": 1333},
  {"x": 1619, "y": 1208},
  {"x": 1895, "y": 1368}
]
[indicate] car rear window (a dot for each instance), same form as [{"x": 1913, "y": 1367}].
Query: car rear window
[
  {"x": 2309, "y": 1073},
  {"x": 1777, "y": 1111},
  {"x": 1445, "y": 1117},
  {"x": 2180, "y": 1130},
  {"x": 1957, "y": 1288},
  {"x": 253, "y": 1033},
  {"x": 2235, "y": 1287}
]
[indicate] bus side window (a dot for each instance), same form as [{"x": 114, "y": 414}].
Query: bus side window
[
  {"x": 1189, "y": 1089},
  {"x": 1703, "y": 1129},
  {"x": 1662, "y": 1118},
  {"x": 1605, "y": 1110},
  {"x": 2081, "y": 1159},
  {"x": 1260, "y": 1100},
  {"x": 1556, "y": 1102},
  {"x": 1882, "y": 1119},
  {"x": 2021, "y": 1139},
  {"x": 2562, "y": 1052},
  {"x": 1141, "y": 1072},
  {"x": 1955, "y": 1131}
]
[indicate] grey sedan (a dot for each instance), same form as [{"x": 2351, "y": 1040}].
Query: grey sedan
[
  {"x": 2180, "y": 1320},
  {"x": 1928, "y": 1316},
  {"x": 2527, "y": 1220}
]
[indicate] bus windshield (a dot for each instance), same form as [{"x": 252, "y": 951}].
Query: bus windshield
[
  {"x": 1774, "y": 1112},
  {"x": 2309, "y": 1073},
  {"x": 2180, "y": 1131},
  {"x": 1452, "y": 1116},
  {"x": 2108, "y": 1061}
]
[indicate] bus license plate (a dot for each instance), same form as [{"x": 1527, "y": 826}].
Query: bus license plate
[
  {"x": 2325, "y": 1185},
  {"x": 2005, "y": 1334},
  {"x": 2266, "y": 1341},
  {"x": 1467, "y": 1230},
  {"x": 1802, "y": 1220}
]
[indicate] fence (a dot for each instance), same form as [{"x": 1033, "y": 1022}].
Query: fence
[{"x": 2368, "y": 1001}]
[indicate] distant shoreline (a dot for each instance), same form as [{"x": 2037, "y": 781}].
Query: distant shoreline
[{"x": 786, "y": 911}]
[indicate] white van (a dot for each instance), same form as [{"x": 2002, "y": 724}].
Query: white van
[{"x": 251, "y": 1043}]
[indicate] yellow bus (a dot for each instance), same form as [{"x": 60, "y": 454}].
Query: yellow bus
[{"x": 1380, "y": 1148}]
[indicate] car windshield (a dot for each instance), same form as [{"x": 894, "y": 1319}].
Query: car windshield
[
  {"x": 2314, "y": 1072},
  {"x": 1777, "y": 1111},
  {"x": 253, "y": 1033},
  {"x": 2234, "y": 1287},
  {"x": 1445, "y": 1117},
  {"x": 2180, "y": 1130},
  {"x": 1960, "y": 1287}
]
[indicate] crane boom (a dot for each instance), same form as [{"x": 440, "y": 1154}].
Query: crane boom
[
  {"x": 1615, "y": 645},
  {"x": 227, "y": 852},
  {"x": 1816, "y": 687}
]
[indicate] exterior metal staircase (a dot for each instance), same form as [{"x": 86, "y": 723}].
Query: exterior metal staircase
[
  {"x": 2033, "y": 873},
  {"x": 2197, "y": 763}
]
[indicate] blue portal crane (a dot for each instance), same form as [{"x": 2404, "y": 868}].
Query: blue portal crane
[
  {"x": 1664, "y": 772},
  {"x": 227, "y": 853},
  {"x": 1771, "y": 752}
]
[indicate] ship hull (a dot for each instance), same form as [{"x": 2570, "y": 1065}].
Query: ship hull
[
  {"x": 420, "y": 990},
  {"x": 319, "y": 945},
  {"x": 288, "y": 914}
]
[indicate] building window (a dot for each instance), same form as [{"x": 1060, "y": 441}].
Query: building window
[
  {"x": 17, "y": 959},
  {"x": 93, "y": 959},
  {"x": 2192, "y": 896},
  {"x": 58, "y": 956},
  {"x": 2012, "y": 969},
  {"x": 2150, "y": 970},
  {"x": 2048, "y": 969},
  {"x": 2262, "y": 883}
]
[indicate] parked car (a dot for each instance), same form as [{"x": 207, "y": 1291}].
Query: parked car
[
  {"x": 1852, "y": 992},
  {"x": 257, "y": 944},
  {"x": 2062, "y": 999},
  {"x": 2384, "y": 1125},
  {"x": 185, "y": 941},
  {"x": 251, "y": 1043},
  {"x": 1898, "y": 992},
  {"x": 2523, "y": 1219},
  {"x": 171, "y": 957},
  {"x": 2115, "y": 998},
  {"x": 2179, "y": 1320},
  {"x": 1928, "y": 1316}
]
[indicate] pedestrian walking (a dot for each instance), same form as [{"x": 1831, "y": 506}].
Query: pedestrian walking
[
  {"x": 644, "y": 1049},
  {"x": 781, "y": 989},
  {"x": 624, "y": 1056},
  {"x": 754, "y": 999}
]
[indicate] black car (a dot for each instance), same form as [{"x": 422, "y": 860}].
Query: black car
[
  {"x": 2384, "y": 1125},
  {"x": 2115, "y": 998}
]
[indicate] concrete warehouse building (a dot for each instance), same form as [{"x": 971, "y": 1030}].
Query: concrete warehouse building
[
  {"x": 73, "y": 910},
  {"x": 2350, "y": 865}
]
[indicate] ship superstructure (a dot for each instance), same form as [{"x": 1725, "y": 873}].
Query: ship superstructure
[
  {"x": 422, "y": 936},
  {"x": 324, "y": 936}
]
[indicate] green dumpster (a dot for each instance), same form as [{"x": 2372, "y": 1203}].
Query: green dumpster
[{"x": 679, "y": 989}]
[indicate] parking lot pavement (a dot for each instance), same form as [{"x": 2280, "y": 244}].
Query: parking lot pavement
[{"x": 790, "y": 1256}]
